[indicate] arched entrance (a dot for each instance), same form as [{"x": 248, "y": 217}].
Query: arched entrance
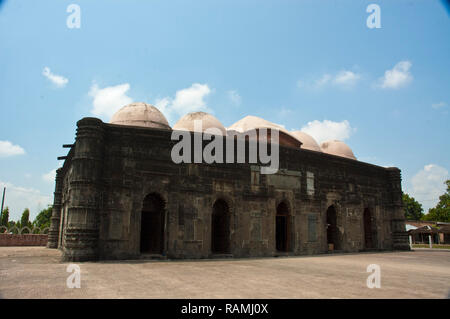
[
  {"x": 220, "y": 228},
  {"x": 152, "y": 225},
  {"x": 282, "y": 228},
  {"x": 368, "y": 236},
  {"x": 332, "y": 230}
]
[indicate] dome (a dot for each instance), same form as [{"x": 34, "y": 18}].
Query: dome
[
  {"x": 251, "y": 122},
  {"x": 186, "y": 123},
  {"x": 308, "y": 142},
  {"x": 140, "y": 114},
  {"x": 338, "y": 148}
]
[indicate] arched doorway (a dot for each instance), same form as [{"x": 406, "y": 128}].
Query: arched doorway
[
  {"x": 152, "y": 225},
  {"x": 282, "y": 227},
  {"x": 368, "y": 236},
  {"x": 220, "y": 228},
  {"x": 332, "y": 230}
]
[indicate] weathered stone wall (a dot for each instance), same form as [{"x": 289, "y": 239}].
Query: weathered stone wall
[
  {"x": 23, "y": 240},
  {"x": 112, "y": 168}
]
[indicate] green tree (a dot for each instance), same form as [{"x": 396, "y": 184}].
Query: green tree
[
  {"x": 25, "y": 219},
  {"x": 43, "y": 218},
  {"x": 11, "y": 226},
  {"x": 5, "y": 217},
  {"x": 413, "y": 209},
  {"x": 441, "y": 213}
]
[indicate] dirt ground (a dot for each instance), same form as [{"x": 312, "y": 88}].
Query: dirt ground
[{"x": 37, "y": 272}]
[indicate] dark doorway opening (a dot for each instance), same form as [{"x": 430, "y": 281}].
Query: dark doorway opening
[
  {"x": 282, "y": 228},
  {"x": 332, "y": 230},
  {"x": 220, "y": 228},
  {"x": 152, "y": 225},
  {"x": 368, "y": 236}
]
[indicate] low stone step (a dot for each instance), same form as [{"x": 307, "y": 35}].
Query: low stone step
[
  {"x": 153, "y": 256},
  {"x": 222, "y": 256}
]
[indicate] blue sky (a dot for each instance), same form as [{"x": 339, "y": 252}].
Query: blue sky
[{"x": 310, "y": 65}]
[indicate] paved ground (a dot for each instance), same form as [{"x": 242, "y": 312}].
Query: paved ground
[{"x": 36, "y": 272}]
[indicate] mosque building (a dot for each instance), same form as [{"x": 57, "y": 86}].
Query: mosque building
[{"x": 120, "y": 195}]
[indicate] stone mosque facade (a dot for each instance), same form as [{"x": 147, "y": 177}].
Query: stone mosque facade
[{"x": 119, "y": 195}]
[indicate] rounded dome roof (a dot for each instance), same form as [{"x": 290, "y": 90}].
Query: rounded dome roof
[
  {"x": 308, "y": 142},
  {"x": 140, "y": 114},
  {"x": 186, "y": 123},
  {"x": 251, "y": 122},
  {"x": 338, "y": 148}
]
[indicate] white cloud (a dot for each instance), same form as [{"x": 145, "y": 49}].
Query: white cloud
[
  {"x": 58, "y": 80},
  {"x": 9, "y": 149},
  {"x": 18, "y": 198},
  {"x": 186, "y": 100},
  {"x": 163, "y": 105},
  {"x": 328, "y": 130},
  {"x": 397, "y": 77},
  {"x": 50, "y": 176},
  {"x": 343, "y": 79},
  {"x": 439, "y": 105},
  {"x": 428, "y": 185},
  {"x": 346, "y": 78},
  {"x": 234, "y": 97},
  {"x": 323, "y": 80},
  {"x": 190, "y": 99},
  {"x": 110, "y": 99}
]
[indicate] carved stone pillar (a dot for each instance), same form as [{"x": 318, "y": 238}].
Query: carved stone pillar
[
  {"x": 399, "y": 234},
  {"x": 82, "y": 230},
  {"x": 53, "y": 233}
]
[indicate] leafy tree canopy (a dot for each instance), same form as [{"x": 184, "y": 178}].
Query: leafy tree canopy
[
  {"x": 440, "y": 213},
  {"x": 41, "y": 221},
  {"x": 5, "y": 217},
  {"x": 43, "y": 218},
  {"x": 25, "y": 219},
  {"x": 413, "y": 209}
]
